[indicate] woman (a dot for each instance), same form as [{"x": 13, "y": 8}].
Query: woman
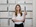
[{"x": 18, "y": 17}]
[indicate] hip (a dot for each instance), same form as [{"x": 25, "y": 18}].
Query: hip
[{"x": 19, "y": 25}]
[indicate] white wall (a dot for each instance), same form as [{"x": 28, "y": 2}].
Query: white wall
[
  {"x": 34, "y": 13},
  {"x": 10, "y": 4}
]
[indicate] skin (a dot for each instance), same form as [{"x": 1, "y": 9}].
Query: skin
[{"x": 15, "y": 20}]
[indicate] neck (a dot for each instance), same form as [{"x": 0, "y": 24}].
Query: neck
[{"x": 17, "y": 12}]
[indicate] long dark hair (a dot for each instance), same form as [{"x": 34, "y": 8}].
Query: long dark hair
[{"x": 19, "y": 10}]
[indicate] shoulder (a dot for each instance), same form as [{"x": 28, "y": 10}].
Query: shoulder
[{"x": 13, "y": 14}]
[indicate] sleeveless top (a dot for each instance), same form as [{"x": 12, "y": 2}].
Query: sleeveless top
[{"x": 18, "y": 17}]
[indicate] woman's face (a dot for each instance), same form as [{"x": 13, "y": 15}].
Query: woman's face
[{"x": 17, "y": 8}]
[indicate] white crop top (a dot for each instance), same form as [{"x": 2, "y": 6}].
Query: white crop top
[{"x": 18, "y": 18}]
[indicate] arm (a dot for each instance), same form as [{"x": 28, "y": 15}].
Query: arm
[
  {"x": 24, "y": 18},
  {"x": 17, "y": 20},
  {"x": 12, "y": 20},
  {"x": 25, "y": 13}
]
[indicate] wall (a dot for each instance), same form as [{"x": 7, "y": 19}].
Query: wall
[{"x": 7, "y": 8}]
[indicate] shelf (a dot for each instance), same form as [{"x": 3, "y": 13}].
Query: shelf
[
  {"x": 5, "y": 18},
  {"x": 10, "y": 18},
  {"x": 28, "y": 3},
  {"x": 22, "y": 11}
]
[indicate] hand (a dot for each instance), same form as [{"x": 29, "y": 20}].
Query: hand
[
  {"x": 25, "y": 13},
  {"x": 24, "y": 20}
]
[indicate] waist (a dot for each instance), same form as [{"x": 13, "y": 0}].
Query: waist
[{"x": 18, "y": 22}]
